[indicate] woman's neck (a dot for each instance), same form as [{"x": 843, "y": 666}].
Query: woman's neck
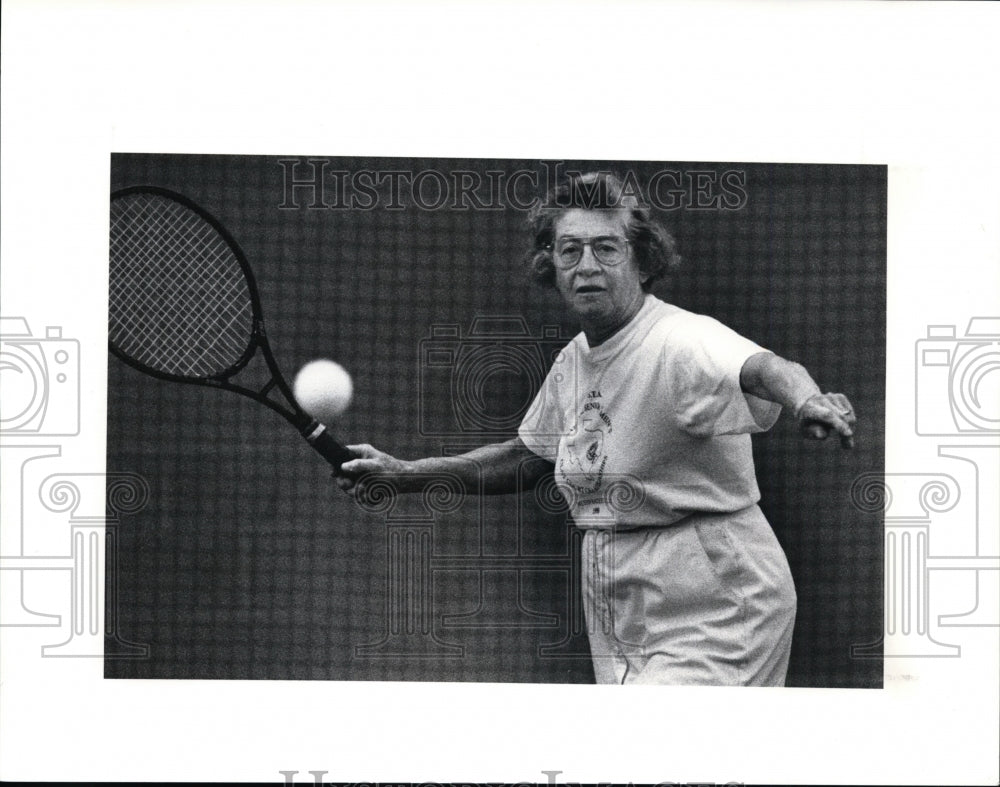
[{"x": 598, "y": 333}]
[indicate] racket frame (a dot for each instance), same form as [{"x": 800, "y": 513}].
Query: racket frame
[{"x": 315, "y": 433}]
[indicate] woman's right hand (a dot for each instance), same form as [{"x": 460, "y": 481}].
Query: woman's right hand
[{"x": 370, "y": 460}]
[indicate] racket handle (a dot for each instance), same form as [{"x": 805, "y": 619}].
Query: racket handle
[
  {"x": 319, "y": 438},
  {"x": 817, "y": 429},
  {"x": 821, "y": 431}
]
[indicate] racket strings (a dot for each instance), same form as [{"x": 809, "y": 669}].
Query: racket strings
[{"x": 179, "y": 299}]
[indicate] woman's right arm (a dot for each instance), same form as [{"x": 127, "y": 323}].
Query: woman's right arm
[{"x": 490, "y": 470}]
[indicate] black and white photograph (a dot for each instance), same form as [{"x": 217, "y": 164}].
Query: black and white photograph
[
  {"x": 499, "y": 393},
  {"x": 547, "y": 375}
]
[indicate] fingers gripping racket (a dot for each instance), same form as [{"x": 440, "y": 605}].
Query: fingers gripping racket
[{"x": 183, "y": 305}]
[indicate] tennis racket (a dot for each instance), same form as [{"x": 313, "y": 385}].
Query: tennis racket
[{"x": 184, "y": 307}]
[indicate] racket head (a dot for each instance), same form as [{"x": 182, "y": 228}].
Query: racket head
[{"x": 183, "y": 304}]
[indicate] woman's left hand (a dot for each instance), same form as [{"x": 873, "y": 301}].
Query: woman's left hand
[{"x": 825, "y": 411}]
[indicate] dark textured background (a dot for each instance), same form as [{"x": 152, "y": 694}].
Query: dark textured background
[{"x": 248, "y": 563}]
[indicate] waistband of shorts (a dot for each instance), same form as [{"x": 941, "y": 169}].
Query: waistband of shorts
[{"x": 751, "y": 511}]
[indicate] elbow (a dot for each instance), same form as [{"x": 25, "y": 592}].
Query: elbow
[{"x": 756, "y": 371}]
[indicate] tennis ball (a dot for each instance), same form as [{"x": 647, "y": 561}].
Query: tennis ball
[{"x": 323, "y": 388}]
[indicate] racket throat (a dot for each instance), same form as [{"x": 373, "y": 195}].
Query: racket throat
[
  {"x": 268, "y": 387},
  {"x": 282, "y": 397}
]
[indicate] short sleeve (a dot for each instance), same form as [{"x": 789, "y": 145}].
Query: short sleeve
[
  {"x": 702, "y": 361},
  {"x": 544, "y": 423}
]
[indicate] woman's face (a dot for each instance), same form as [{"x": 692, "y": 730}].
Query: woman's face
[{"x": 602, "y": 297}]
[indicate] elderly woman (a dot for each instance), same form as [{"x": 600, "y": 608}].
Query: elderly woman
[{"x": 686, "y": 583}]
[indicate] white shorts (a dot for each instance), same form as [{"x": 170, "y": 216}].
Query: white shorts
[{"x": 706, "y": 601}]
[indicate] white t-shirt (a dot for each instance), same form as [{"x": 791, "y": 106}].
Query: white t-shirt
[{"x": 651, "y": 425}]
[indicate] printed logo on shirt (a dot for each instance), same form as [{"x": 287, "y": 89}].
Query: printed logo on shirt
[{"x": 584, "y": 454}]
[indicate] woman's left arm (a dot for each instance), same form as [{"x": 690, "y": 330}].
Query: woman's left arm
[{"x": 769, "y": 376}]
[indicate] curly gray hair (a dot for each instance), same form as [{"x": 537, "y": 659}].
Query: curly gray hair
[{"x": 654, "y": 247}]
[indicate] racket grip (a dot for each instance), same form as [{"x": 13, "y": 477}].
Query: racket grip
[
  {"x": 817, "y": 429},
  {"x": 319, "y": 438}
]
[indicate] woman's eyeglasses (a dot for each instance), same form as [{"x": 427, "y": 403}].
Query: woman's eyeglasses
[{"x": 607, "y": 249}]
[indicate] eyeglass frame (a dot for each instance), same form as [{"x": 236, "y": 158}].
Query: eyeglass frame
[{"x": 589, "y": 241}]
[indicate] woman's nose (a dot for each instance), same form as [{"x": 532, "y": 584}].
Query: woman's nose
[{"x": 587, "y": 259}]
